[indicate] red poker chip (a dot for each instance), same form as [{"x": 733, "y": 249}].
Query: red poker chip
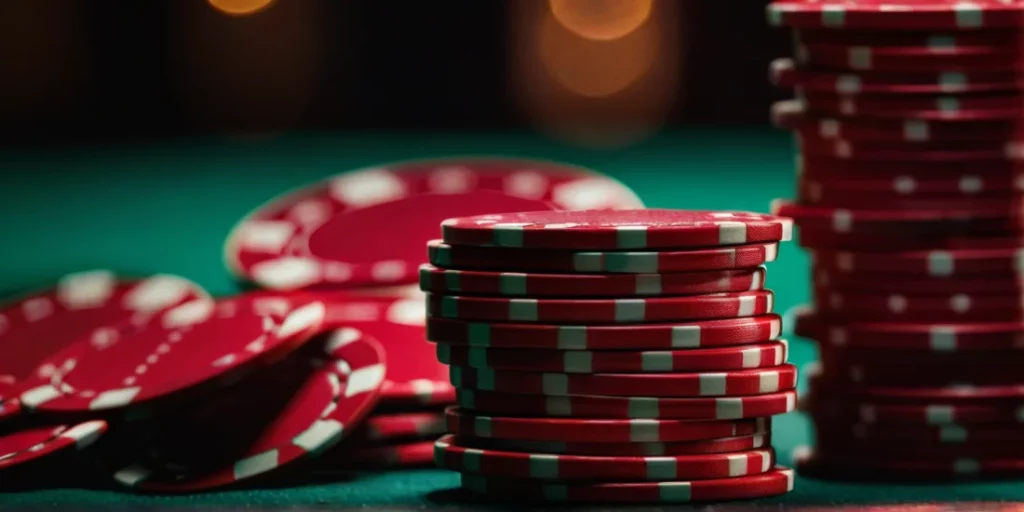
[
  {"x": 759, "y": 381},
  {"x": 468, "y": 257},
  {"x": 266, "y": 423},
  {"x": 826, "y": 407},
  {"x": 926, "y": 107},
  {"x": 39, "y": 324},
  {"x": 616, "y": 229},
  {"x": 956, "y": 190},
  {"x": 935, "y": 221},
  {"x": 415, "y": 378},
  {"x": 710, "y": 446},
  {"x": 910, "y": 58},
  {"x": 853, "y": 466},
  {"x": 177, "y": 350},
  {"x": 953, "y": 262},
  {"x": 590, "y": 406},
  {"x": 390, "y": 457},
  {"x": 470, "y": 282},
  {"x": 762, "y": 355},
  {"x": 686, "y": 335},
  {"x": 841, "y": 444},
  {"x": 774, "y": 482},
  {"x": 38, "y": 443},
  {"x": 972, "y": 151},
  {"x": 786, "y": 73},
  {"x": 920, "y": 394},
  {"x": 341, "y": 231},
  {"x": 467, "y": 423},
  {"x": 573, "y": 468},
  {"x": 908, "y": 374},
  {"x": 938, "y": 41},
  {"x": 399, "y": 427},
  {"x": 922, "y": 435},
  {"x": 824, "y": 167},
  {"x": 866, "y": 282},
  {"x": 642, "y": 310},
  {"x": 904, "y": 240},
  {"x": 879, "y": 14},
  {"x": 958, "y": 307}
]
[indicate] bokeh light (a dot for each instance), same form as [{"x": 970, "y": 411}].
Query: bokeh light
[
  {"x": 240, "y": 7},
  {"x": 601, "y": 20}
]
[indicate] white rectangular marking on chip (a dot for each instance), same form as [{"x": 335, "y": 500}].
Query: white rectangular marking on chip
[
  {"x": 833, "y": 16},
  {"x": 728, "y": 408},
  {"x": 442, "y": 255},
  {"x": 643, "y": 407},
  {"x": 556, "y": 492},
  {"x": 321, "y": 434},
  {"x": 255, "y": 465},
  {"x": 479, "y": 334},
  {"x": 452, "y": 280},
  {"x": 751, "y": 357},
  {"x": 524, "y": 310},
  {"x": 367, "y": 378},
  {"x": 471, "y": 459},
  {"x": 661, "y": 468},
  {"x": 747, "y": 305},
  {"x": 544, "y": 466},
  {"x": 675, "y": 492},
  {"x": 558, "y": 406},
  {"x": 449, "y": 307},
  {"x": 848, "y": 84},
  {"x": 953, "y": 82},
  {"x": 917, "y": 131},
  {"x": 948, "y": 105},
  {"x": 630, "y": 310},
  {"x": 648, "y": 284},
  {"x": 966, "y": 466},
  {"x": 512, "y": 284},
  {"x": 732, "y": 233},
  {"x": 578, "y": 362},
  {"x": 939, "y": 415},
  {"x": 859, "y": 57},
  {"x": 686, "y": 336},
  {"x": 508, "y": 235},
  {"x": 482, "y": 426},
  {"x": 712, "y": 384},
  {"x": 769, "y": 382},
  {"x": 942, "y": 339},
  {"x": 941, "y": 263},
  {"x": 969, "y": 15},
  {"x": 113, "y": 398},
  {"x": 572, "y": 337},
  {"x": 631, "y": 237},
  {"x": 555, "y": 384},
  {"x": 588, "y": 262},
  {"x": 644, "y": 431},
  {"x": 484, "y": 378},
  {"x": 952, "y": 434},
  {"x": 632, "y": 263},
  {"x": 656, "y": 361},
  {"x": 738, "y": 465}
]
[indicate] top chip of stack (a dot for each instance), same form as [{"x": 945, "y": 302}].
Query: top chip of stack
[
  {"x": 908, "y": 124},
  {"x": 547, "y": 320}
]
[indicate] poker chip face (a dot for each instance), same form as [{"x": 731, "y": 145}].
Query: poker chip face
[
  {"x": 616, "y": 229},
  {"x": 771, "y": 483},
  {"x": 174, "y": 351},
  {"x": 342, "y": 232},
  {"x": 266, "y": 422},
  {"x": 467, "y": 257},
  {"x": 573, "y": 468},
  {"x": 466, "y": 423},
  {"x": 39, "y": 443}
]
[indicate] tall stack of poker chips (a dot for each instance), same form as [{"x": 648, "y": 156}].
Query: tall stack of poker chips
[
  {"x": 909, "y": 201},
  {"x": 612, "y": 356}
]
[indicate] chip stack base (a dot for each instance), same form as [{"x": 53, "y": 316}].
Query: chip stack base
[
  {"x": 626, "y": 356},
  {"x": 909, "y": 199}
]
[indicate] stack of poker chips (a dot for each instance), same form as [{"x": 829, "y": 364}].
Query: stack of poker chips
[
  {"x": 909, "y": 202},
  {"x": 610, "y": 356}
]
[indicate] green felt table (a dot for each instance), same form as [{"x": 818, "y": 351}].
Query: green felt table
[{"x": 167, "y": 208}]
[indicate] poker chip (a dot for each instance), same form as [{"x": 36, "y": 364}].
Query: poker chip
[
  {"x": 574, "y": 468},
  {"x": 964, "y": 220},
  {"x": 932, "y": 285},
  {"x": 764, "y": 355},
  {"x": 37, "y": 443},
  {"x": 959, "y": 307},
  {"x": 720, "y": 445},
  {"x": 880, "y": 15},
  {"x": 925, "y": 436},
  {"x": 602, "y": 311},
  {"x": 898, "y": 151},
  {"x": 936, "y": 41},
  {"x": 822, "y": 167},
  {"x": 468, "y": 257},
  {"x": 616, "y": 229},
  {"x": 685, "y": 335},
  {"x": 468, "y": 282},
  {"x": 132, "y": 364},
  {"x": 341, "y": 232},
  {"x": 597, "y": 406},
  {"x": 759, "y": 381},
  {"x": 774, "y": 482},
  {"x": 787, "y": 73},
  {"x": 939, "y": 337},
  {"x": 910, "y": 58},
  {"x": 941, "y": 190},
  {"x": 400, "y": 426},
  {"x": 955, "y": 262},
  {"x": 397, "y": 456},
  {"x": 927, "y": 107},
  {"x": 915, "y": 414},
  {"x": 466, "y": 423},
  {"x": 268, "y": 422},
  {"x": 820, "y": 464}
]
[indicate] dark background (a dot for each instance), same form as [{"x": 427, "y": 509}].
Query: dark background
[{"x": 79, "y": 71}]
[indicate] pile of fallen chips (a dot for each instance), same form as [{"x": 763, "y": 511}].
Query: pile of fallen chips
[
  {"x": 611, "y": 356},
  {"x": 909, "y": 201},
  {"x": 150, "y": 384}
]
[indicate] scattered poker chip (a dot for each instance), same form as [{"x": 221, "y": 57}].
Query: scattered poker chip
[
  {"x": 707, "y": 333},
  {"x": 914, "y": 132},
  {"x": 958, "y": 307},
  {"x": 962, "y": 220},
  {"x": 739, "y": 357},
  {"x": 602, "y": 311},
  {"x": 885, "y": 15},
  {"x": 760, "y": 381},
  {"x": 468, "y": 257},
  {"x": 591, "y": 406},
  {"x": 616, "y": 229},
  {"x": 875, "y": 468},
  {"x": 268, "y": 422},
  {"x": 42, "y": 323},
  {"x": 910, "y": 58},
  {"x": 468, "y": 282},
  {"x": 775, "y": 482},
  {"x": 574, "y": 468},
  {"x": 341, "y": 231},
  {"x": 955, "y": 262},
  {"x": 924, "y": 106},
  {"x": 786, "y": 73},
  {"x": 401, "y": 455},
  {"x": 467, "y": 423},
  {"x": 415, "y": 378},
  {"x": 722, "y": 445},
  {"x": 400, "y": 426},
  {"x": 37, "y": 443},
  {"x": 176, "y": 350}
]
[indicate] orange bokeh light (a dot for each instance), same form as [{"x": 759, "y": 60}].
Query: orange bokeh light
[
  {"x": 240, "y": 7},
  {"x": 601, "y": 20}
]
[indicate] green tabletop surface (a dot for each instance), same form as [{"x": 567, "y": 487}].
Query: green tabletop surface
[{"x": 167, "y": 207}]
